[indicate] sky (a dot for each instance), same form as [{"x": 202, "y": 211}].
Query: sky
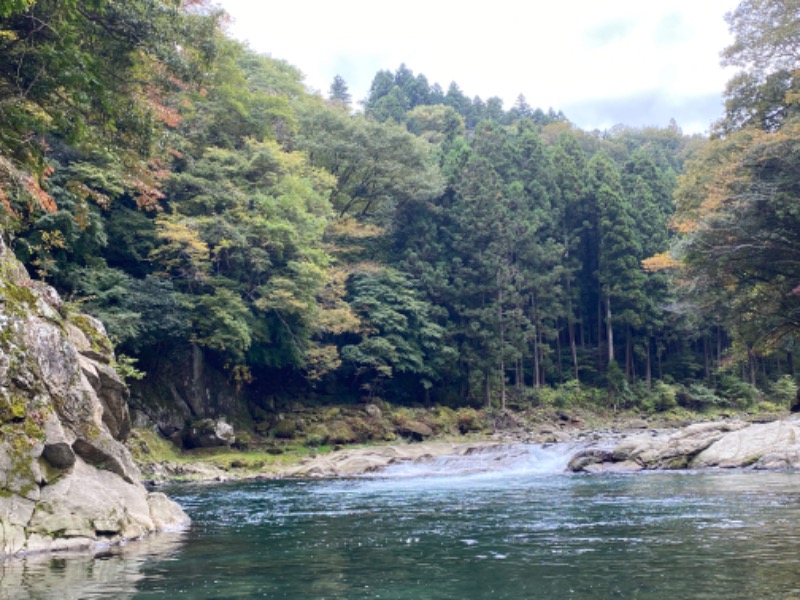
[{"x": 632, "y": 62}]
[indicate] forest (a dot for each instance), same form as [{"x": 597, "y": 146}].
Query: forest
[{"x": 419, "y": 246}]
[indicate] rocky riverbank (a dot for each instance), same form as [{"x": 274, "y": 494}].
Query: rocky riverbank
[
  {"x": 725, "y": 443},
  {"x": 67, "y": 481}
]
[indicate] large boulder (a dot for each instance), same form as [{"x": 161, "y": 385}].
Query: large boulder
[
  {"x": 724, "y": 444},
  {"x": 66, "y": 479},
  {"x": 763, "y": 445},
  {"x": 656, "y": 449},
  {"x": 208, "y": 433}
]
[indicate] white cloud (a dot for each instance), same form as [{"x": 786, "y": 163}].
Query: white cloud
[{"x": 558, "y": 54}]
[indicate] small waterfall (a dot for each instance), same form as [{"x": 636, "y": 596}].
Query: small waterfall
[{"x": 489, "y": 461}]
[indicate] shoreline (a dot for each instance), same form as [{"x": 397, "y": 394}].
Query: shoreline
[{"x": 761, "y": 443}]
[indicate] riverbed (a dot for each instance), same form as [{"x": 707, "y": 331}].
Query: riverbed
[{"x": 501, "y": 522}]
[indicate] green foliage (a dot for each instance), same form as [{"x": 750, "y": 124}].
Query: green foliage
[
  {"x": 699, "y": 397},
  {"x": 665, "y": 396},
  {"x": 738, "y": 393},
  {"x": 125, "y": 366},
  {"x": 784, "y": 391},
  {"x": 435, "y": 248},
  {"x": 400, "y": 335}
]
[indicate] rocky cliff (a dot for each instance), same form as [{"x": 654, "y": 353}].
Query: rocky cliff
[{"x": 66, "y": 479}]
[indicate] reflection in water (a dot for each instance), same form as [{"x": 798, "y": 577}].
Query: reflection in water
[
  {"x": 111, "y": 573},
  {"x": 509, "y": 525}
]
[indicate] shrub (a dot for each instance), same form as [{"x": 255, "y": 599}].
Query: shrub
[
  {"x": 468, "y": 419},
  {"x": 698, "y": 397},
  {"x": 243, "y": 440},
  {"x": 664, "y": 396},
  {"x": 738, "y": 393},
  {"x": 570, "y": 393},
  {"x": 547, "y": 396},
  {"x": 784, "y": 391}
]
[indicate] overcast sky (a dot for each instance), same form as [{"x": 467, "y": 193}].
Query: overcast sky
[{"x": 637, "y": 62}]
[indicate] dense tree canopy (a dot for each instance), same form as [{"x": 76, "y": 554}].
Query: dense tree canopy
[{"x": 430, "y": 248}]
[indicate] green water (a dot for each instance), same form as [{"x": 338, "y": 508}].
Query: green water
[{"x": 504, "y": 526}]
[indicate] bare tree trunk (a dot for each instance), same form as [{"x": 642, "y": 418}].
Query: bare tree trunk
[{"x": 648, "y": 365}]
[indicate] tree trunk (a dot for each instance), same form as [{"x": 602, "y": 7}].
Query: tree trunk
[
  {"x": 571, "y": 329},
  {"x": 648, "y": 364},
  {"x": 558, "y": 354},
  {"x": 660, "y": 366},
  {"x": 790, "y": 362},
  {"x": 502, "y": 347},
  {"x": 628, "y": 356},
  {"x": 599, "y": 333},
  {"x": 609, "y": 330},
  {"x": 536, "y": 381},
  {"x": 487, "y": 392}
]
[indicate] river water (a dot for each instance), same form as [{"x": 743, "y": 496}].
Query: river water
[{"x": 505, "y": 523}]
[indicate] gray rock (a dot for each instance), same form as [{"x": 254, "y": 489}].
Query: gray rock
[
  {"x": 769, "y": 445},
  {"x": 15, "y": 514},
  {"x": 208, "y": 433},
  {"x": 415, "y": 430},
  {"x": 373, "y": 411},
  {"x": 166, "y": 514},
  {"x": 59, "y": 455},
  {"x": 586, "y": 458},
  {"x": 66, "y": 480}
]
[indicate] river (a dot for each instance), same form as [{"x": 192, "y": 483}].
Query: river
[{"x": 502, "y": 523}]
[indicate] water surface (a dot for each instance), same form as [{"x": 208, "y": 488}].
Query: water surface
[{"x": 507, "y": 524}]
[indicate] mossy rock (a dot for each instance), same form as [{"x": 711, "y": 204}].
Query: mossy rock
[
  {"x": 285, "y": 429},
  {"x": 416, "y": 430},
  {"x": 317, "y": 435},
  {"x": 12, "y": 409},
  {"x": 341, "y": 433},
  {"x": 469, "y": 420}
]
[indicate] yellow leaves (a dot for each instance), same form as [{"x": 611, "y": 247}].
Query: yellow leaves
[
  {"x": 7, "y": 35},
  {"x": 183, "y": 253},
  {"x": 723, "y": 171},
  {"x": 660, "y": 262},
  {"x": 335, "y": 316},
  {"x": 35, "y": 110},
  {"x": 320, "y": 360}
]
